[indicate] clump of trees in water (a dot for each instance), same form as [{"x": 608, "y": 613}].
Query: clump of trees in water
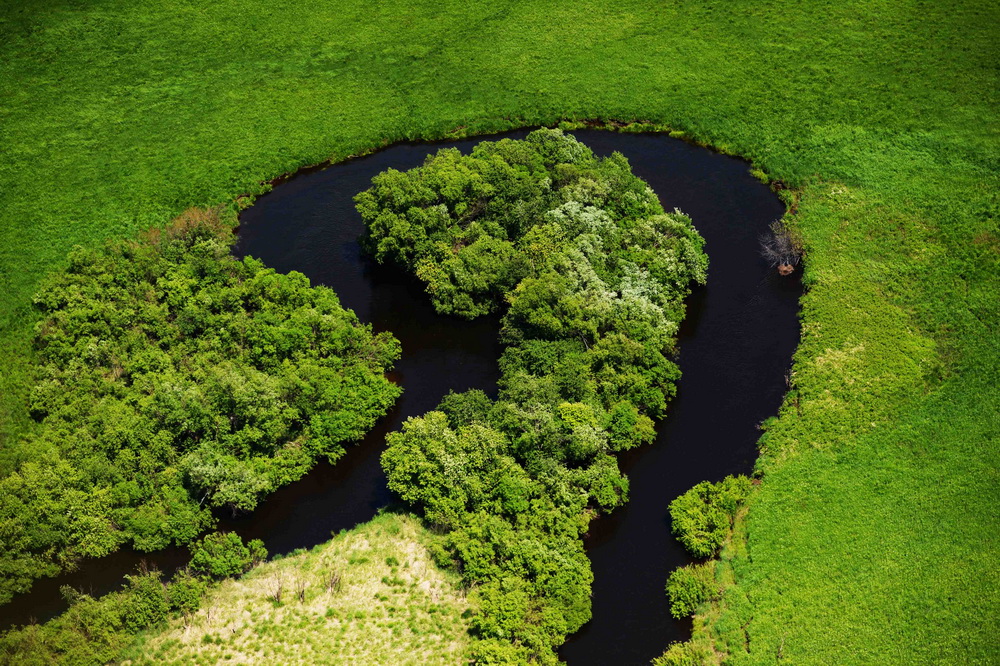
[
  {"x": 174, "y": 378},
  {"x": 591, "y": 274}
]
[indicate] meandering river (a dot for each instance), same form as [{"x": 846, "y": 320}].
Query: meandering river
[{"x": 735, "y": 349}]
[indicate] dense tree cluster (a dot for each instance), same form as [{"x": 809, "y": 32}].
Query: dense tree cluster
[
  {"x": 593, "y": 275},
  {"x": 173, "y": 379}
]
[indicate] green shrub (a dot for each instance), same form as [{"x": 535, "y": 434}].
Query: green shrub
[
  {"x": 690, "y": 586},
  {"x": 685, "y": 654},
  {"x": 186, "y": 591},
  {"x": 92, "y": 631},
  {"x": 224, "y": 555},
  {"x": 145, "y": 602},
  {"x": 703, "y": 516}
]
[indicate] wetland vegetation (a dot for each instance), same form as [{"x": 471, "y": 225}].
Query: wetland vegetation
[{"x": 869, "y": 536}]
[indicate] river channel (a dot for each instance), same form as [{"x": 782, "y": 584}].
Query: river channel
[{"x": 735, "y": 350}]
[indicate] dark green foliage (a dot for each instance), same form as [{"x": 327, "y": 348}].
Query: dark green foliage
[
  {"x": 145, "y": 602},
  {"x": 186, "y": 592},
  {"x": 703, "y": 516},
  {"x": 90, "y": 632},
  {"x": 452, "y": 473},
  {"x": 690, "y": 586},
  {"x": 466, "y": 408},
  {"x": 224, "y": 555},
  {"x": 174, "y": 379},
  {"x": 97, "y": 630},
  {"x": 593, "y": 274}
]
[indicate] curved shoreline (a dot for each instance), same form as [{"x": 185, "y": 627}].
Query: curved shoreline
[{"x": 364, "y": 461}]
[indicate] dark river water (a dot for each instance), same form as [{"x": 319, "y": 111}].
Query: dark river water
[{"x": 735, "y": 349}]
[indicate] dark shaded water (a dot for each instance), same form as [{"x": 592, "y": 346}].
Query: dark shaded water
[{"x": 736, "y": 346}]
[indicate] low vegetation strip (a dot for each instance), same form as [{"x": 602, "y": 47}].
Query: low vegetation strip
[
  {"x": 96, "y": 630},
  {"x": 174, "y": 379},
  {"x": 593, "y": 275}
]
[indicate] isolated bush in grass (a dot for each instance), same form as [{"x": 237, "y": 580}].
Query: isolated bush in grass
[
  {"x": 702, "y": 517},
  {"x": 224, "y": 555}
]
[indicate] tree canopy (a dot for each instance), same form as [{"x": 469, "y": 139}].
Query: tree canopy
[
  {"x": 175, "y": 378},
  {"x": 591, "y": 274}
]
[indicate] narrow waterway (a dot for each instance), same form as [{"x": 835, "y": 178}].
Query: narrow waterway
[{"x": 735, "y": 348}]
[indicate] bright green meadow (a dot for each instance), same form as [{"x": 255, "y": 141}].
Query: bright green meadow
[{"x": 873, "y": 535}]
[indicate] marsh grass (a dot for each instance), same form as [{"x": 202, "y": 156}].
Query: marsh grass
[
  {"x": 370, "y": 596},
  {"x": 873, "y": 533}
]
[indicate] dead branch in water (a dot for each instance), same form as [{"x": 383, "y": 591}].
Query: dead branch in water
[{"x": 781, "y": 248}]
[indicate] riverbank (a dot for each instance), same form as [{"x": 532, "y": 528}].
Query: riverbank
[{"x": 113, "y": 126}]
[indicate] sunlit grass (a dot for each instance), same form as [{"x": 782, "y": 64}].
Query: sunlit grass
[{"x": 370, "y": 596}]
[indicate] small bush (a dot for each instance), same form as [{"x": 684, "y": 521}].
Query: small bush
[
  {"x": 702, "y": 517},
  {"x": 224, "y": 555},
  {"x": 689, "y": 587},
  {"x": 185, "y": 593},
  {"x": 683, "y": 654},
  {"x": 145, "y": 602}
]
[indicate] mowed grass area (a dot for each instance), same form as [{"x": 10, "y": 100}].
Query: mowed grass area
[
  {"x": 873, "y": 535},
  {"x": 370, "y": 596}
]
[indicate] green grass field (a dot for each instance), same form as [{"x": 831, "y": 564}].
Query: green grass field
[{"x": 873, "y": 536}]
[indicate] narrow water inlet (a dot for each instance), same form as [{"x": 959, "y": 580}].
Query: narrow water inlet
[{"x": 735, "y": 348}]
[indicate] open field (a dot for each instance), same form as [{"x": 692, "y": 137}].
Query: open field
[
  {"x": 370, "y": 596},
  {"x": 873, "y": 535}
]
